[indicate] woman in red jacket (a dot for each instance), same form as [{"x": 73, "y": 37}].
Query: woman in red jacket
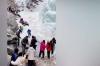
[
  {"x": 48, "y": 49},
  {"x": 42, "y": 49}
]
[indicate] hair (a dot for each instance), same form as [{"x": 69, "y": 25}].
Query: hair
[
  {"x": 21, "y": 19},
  {"x": 16, "y": 50},
  {"x": 26, "y": 36},
  {"x": 20, "y": 54},
  {"x": 33, "y": 36},
  {"x": 54, "y": 40},
  {"x": 44, "y": 41}
]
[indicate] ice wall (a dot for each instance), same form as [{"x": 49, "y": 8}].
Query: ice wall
[{"x": 48, "y": 16}]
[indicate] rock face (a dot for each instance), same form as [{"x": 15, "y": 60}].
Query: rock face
[
  {"x": 12, "y": 4},
  {"x": 11, "y": 22},
  {"x": 11, "y": 18}
]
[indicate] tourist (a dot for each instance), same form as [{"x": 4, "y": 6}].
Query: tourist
[
  {"x": 53, "y": 42},
  {"x": 29, "y": 32},
  {"x": 18, "y": 34},
  {"x": 33, "y": 42},
  {"x": 31, "y": 56},
  {"x": 20, "y": 61},
  {"x": 42, "y": 49},
  {"x": 14, "y": 55},
  {"x": 24, "y": 43},
  {"x": 48, "y": 49}
]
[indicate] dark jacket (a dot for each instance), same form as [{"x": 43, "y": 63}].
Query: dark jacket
[{"x": 14, "y": 57}]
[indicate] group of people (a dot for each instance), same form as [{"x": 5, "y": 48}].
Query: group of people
[
  {"x": 21, "y": 59},
  {"x": 49, "y": 46},
  {"x": 27, "y": 56}
]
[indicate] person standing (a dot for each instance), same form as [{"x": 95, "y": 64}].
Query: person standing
[
  {"x": 24, "y": 43},
  {"x": 53, "y": 42},
  {"x": 21, "y": 21},
  {"x": 33, "y": 42},
  {"x": 48, "y": 49},
  {"x": 42, "y": 49},
  {"x": 31, "y": 56},
  {"x": 18, "y": 34},
  {"x": 29, "y": 32},
  {"x": 20, "y": 61},
  {"x": 14, "y": 55}
]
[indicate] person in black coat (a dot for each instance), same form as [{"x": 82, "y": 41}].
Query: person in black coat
[
  {"x": 18, "y": 34},
  {"x": 33, "y": 42},
  {"x": 24, "y": 43},
  {"x": 53, "y": 42}
]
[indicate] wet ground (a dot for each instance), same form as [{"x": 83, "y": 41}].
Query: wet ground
[{"x": 43, "y": 62}]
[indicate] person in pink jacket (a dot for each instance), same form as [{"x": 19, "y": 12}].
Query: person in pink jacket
[{"x": 42, "y": 49}]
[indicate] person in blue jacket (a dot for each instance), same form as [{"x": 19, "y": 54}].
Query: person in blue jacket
[
  {"x": 29, "y": 32},
  {"x": 14, "y": 55}
]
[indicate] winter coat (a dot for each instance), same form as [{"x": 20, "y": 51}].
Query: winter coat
[
  {"x": 42, "y": 46},
  {"x": 24, "y": 41},
  {"x": 20, "y": 61},
  {"x": 33, "y": 41},
  {"x": 31, "y": 53},
  {"x": 14, "y": 56},
  {"x": 48, "y": 47}
]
